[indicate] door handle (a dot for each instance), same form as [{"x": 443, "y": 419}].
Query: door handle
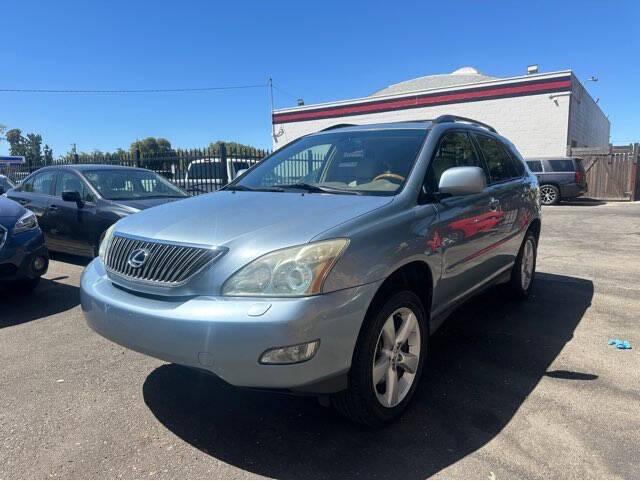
[
  {"x": 23, "y": 201},
  {"x": 53, "y": 207},
  {"x": 494, "y": 203}
]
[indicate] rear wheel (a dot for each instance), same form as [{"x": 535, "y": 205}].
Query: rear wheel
[
  {"x": 549, "y": 194},
  {"x": 387, "y": 363},
  {"x": 524, "y": 269}
]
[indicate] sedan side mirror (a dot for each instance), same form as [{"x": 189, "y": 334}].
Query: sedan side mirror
[
  {"x": 72, "y": 196},
  {"x": 462, "y": 181}
]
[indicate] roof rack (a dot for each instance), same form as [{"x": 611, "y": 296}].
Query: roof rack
[
  {"x": 338, "y": 126},
  {"x": 443, "y": 119}
]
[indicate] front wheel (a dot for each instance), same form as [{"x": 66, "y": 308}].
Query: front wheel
[{"x": 387, "y": 362}]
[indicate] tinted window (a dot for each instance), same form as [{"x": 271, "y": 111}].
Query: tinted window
[
  {"x": 129, "y": 184},
  {"x": 40, "y": 183},
  {"x": 69, "y": 182},
  {"x": 501, "y": 166},
  {"x": 534, "y": 165},
  {"x": 454, "y": 150},
  {"x": 561, "y": 165},
  {"x": 374, "y": 162},
  {"x": 6, "y": 183}
]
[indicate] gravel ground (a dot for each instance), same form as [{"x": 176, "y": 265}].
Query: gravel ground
[{"x": 513, "y": 390}]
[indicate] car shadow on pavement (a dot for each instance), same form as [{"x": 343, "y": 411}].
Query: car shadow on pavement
[
  {"x": 484, "y": 362},
  {"x": 49, "y": 298}
]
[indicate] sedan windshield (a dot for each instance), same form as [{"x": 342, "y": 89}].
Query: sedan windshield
[
  {"x": 374, "y": 162},
  {"x": 130, "y": 184}
]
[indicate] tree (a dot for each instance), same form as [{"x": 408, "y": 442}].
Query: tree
[
  {"x": 236, "y": 146},
  {"x": 47, "y": 155},
  {"x": 152, "y": 147},
  {"x": 17, "y": 143},
  {"x": 34, "y": 149}
]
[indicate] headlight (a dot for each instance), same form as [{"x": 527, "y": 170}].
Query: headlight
[
  {"x": 106, "y": 242},
  {"x": 295, "y": 271},
  {"x": 27, "y": 222}
]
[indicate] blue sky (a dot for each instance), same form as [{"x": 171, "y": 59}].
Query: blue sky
[{"x": 320, "y": 51}]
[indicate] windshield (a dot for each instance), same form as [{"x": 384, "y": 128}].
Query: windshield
[
  {"x": 130, "y": 184},
  {"x": 373, "y": 162}
]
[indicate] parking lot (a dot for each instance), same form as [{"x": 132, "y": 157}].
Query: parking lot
[{"x": 512, "y": 390}]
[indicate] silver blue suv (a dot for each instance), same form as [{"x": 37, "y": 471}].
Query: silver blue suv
[{"x": 325, "y": 268}]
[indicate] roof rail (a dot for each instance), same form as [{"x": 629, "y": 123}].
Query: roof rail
[
  {"x": 338, "y": 126},
  {"x": 443, "y": 119}
]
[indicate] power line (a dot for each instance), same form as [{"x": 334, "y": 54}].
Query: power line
[{"x": 133, "y": 91}]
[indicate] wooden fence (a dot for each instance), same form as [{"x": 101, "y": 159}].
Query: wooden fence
[{"x": 612, "y": 172}]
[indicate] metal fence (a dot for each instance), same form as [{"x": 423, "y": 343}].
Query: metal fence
[{"x": 197, "y": 171}]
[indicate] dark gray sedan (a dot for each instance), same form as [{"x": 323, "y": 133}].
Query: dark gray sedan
[{"x": 76, "y": 204}]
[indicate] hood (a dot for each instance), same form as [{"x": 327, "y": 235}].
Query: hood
[
  {"x": 259, "y": 221},
  {"x": 10, "y": 210},
  {"x": 142, "y": 204}
]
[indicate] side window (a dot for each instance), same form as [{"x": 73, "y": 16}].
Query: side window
[
  {"x": 41, "y": 183},
  {"x": 454, "y": 150},
  {"x": 70, "y": 182},
  {"x": 561, "y": 165},
  {"x": 534, "y": 165},
  {"x": 501, "y": 166}
]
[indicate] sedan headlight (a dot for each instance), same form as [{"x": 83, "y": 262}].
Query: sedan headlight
[
  {"x": 106, "y": 242},
  {"x": 291, "y": 272},
  {"x": 28, "y": 221}
]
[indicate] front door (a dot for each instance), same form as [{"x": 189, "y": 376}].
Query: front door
[
  {"x": 466, "y": 224},
  {"x": 73, "y": 226}
]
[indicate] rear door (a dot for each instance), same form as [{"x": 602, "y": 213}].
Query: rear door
[
  {"x": 464, "y": 229},
  {"x": 507, "y": 198}
]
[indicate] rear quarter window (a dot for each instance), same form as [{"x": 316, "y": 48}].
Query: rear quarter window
[
  {"x": 534, "y": 165},
  {"x": 561, "y": 165}
]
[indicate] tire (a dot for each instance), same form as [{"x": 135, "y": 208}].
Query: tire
[
  {"x": 549, "y": 194},
  {"x": 363, "y": 401},
  {"x": 523, "y": 273}
]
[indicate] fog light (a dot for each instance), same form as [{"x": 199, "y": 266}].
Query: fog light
[
  {"x": 39, "y": 263},
  {"x": 290, "y": 354}
]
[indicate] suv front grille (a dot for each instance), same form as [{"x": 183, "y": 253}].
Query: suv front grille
[{"x": 161, "y": 263}]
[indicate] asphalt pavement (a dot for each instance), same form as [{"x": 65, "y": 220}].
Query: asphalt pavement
[{"x": 512, "y": 389}]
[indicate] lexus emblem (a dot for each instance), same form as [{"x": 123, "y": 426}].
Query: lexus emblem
[{"x": 137, "y": 258}]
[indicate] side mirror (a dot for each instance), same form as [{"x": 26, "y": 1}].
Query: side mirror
[
  {"x": 239, "y": 173},
  {"x": 72, "y": 196},
  {"x": 462, "y": 181}
]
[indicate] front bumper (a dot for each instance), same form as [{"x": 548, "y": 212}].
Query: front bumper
[
  {"x": 18, "y": 254},
  {"x": 226, "y": 336}
]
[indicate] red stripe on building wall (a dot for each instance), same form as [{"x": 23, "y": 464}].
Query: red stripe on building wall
[{"x": 425, "y": 100}]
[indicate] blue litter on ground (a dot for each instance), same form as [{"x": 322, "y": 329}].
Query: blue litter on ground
[{"x": 619, "y": 344}]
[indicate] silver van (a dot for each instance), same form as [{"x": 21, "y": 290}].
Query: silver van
[{"x": 325, "y": 268}]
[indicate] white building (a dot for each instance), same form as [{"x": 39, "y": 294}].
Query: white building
[{"x": 541, "y": 113}]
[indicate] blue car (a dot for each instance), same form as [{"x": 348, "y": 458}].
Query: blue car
[{"x": 23, "y": 255}]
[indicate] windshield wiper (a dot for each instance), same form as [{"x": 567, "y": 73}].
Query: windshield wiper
[
  {"x": 317, "y": 188},
  {"x": 244, "y": 188}
]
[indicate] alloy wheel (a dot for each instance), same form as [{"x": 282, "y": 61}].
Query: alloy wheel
[
  {"x": 548, "y": 195},
  {"x": 397, "y": 357},
  {"x": 526, "y": 264}
]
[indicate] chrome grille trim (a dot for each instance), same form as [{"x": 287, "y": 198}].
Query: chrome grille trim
[{"x": 167, "y": 264}]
